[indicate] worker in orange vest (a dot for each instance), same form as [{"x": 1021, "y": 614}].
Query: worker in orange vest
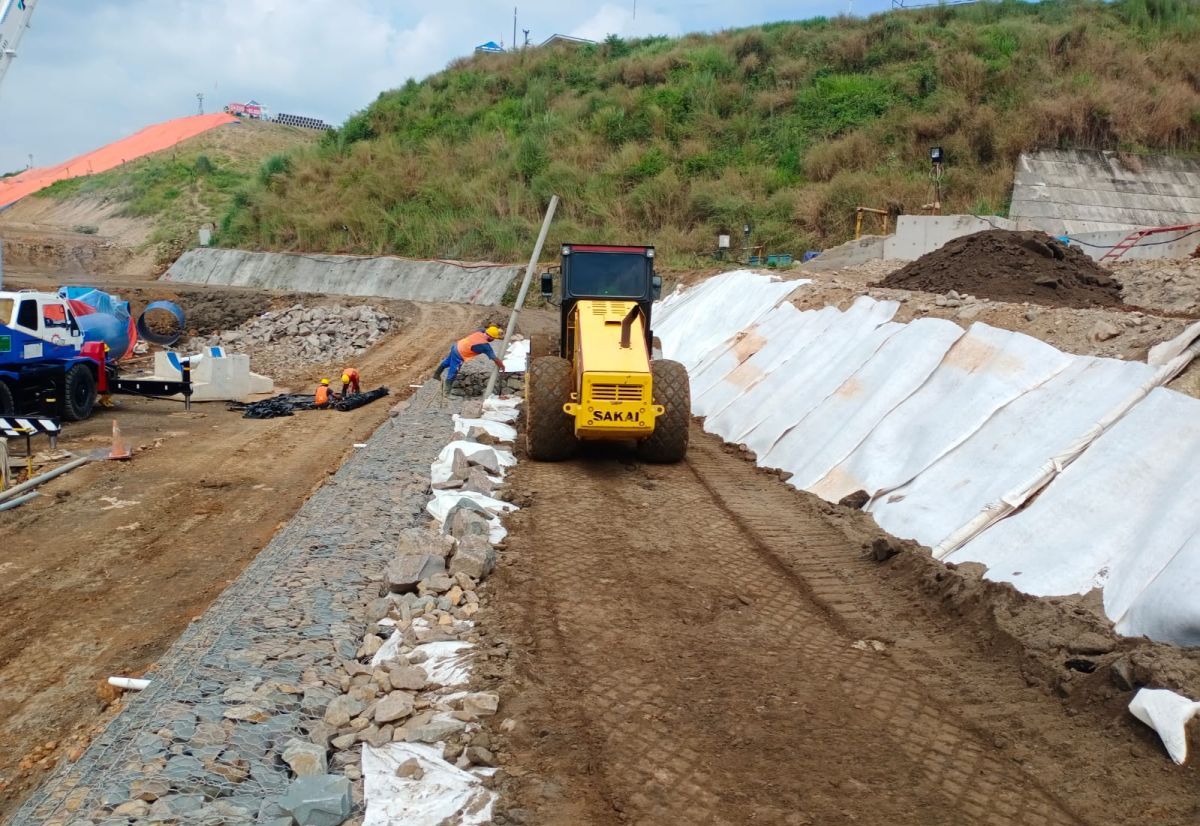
[
  {"x": 324, "y": 394},
  {"x": 350, "y": 380},
  {"x": 479, "y": 343}
]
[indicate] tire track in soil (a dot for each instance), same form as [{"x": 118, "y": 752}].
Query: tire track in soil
[{"x": 688, "y": 658}]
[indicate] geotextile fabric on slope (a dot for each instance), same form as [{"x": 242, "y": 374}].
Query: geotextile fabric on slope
[
  {"x": 950, "y": 432},
  {"x": 151, "y": 139}
]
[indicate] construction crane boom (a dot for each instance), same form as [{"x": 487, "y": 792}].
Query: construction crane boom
[{"x": 14, "y": 20}]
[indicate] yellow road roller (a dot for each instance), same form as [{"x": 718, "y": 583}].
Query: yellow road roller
[{"x": 598, "y": 379}]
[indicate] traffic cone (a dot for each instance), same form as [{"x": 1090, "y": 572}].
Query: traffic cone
[{"x": 120, "y": 447}]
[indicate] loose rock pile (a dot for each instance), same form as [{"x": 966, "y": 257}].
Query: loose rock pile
[
  {"x": 405, "y": 683},
  {"x": 283, "y": 342},
  {"x": 1169, "y": 285},
  {"x": 473, "y": 377}
]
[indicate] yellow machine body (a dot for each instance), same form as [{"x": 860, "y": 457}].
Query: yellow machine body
[{"x": 613, "y": 392}]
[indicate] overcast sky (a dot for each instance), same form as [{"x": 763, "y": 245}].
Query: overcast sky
[{"x": 92, "y": 71}]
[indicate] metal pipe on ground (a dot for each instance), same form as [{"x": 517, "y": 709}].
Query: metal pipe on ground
[
  {"x": 16, "y": 490},
  {"x": 512, "y": 320},
  {"x": 20, "y": 500}
]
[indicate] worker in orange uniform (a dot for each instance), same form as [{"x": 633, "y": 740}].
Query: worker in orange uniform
[
  {"x": 479, "y": 343},
  {"x": 324, "y": 394},
  {"x": 350, "y": 380}
]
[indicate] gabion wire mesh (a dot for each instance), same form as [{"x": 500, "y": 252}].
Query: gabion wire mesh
[{"x": 204, "y": 742}]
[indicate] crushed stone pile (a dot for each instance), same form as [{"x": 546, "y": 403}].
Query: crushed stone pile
[
  {"x": 283, "y": 342},
  {"x": 1012, "y": 266},
  {"x": 1167, "y": 285}
]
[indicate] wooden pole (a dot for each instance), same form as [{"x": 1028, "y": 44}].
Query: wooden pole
[
  {"x": 512, "y": 321},
  {"x": 4, "y": 480}
]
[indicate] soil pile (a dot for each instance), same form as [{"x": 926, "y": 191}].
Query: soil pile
[
  {"x": 214, "y": 312},
  {"x": 1004, "y": 265}
]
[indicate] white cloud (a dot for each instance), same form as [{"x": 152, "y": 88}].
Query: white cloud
[{"x": 621, "y": 20}]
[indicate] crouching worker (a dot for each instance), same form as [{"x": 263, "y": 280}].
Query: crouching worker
[
  {"x": 479, "y": 343},
  {"x": 350, "y": 380},
  {"x": 324, "y": 394}
]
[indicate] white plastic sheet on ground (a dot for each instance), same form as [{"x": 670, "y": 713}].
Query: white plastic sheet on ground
[
  {"x": 443, "y": 500},
  {"x": 502, "y": 409},
  {"x": 1113, "y": 519},
  {"x": 516, "y": 357},
  {"x": 831, "y": 431},
  {"x": 983, "y": 370},
  {"x": 499, "y": 431},
  {"x": 688, "y": 327},
  {"x": 753, "y": 354},
  {"x": 1037, "y": 430},
  {"x": 447, "y": 662},
  {"x": 1061, "y": 473},
  {"x": 440, "y": 470},
  {"x": 1168, "y": 714},
  {"x": 813, "y": 369},
  {"x": 443, "y": 794}
]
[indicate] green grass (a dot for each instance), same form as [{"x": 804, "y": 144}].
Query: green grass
[
  {"x": 787, "y": 126},
  {"x": 197, "y": 182}
]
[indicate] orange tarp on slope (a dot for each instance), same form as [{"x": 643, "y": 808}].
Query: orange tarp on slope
[{"x": 151, "y": 139}]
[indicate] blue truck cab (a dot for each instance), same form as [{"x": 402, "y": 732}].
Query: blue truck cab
[{"x": 43, "y": 366}]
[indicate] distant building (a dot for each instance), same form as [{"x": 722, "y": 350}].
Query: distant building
[
  {"x": 566, "y": 40},
  {"x": 491, "y": 47}
]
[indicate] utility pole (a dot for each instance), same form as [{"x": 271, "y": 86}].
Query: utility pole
[
  {"x": 635, "y": 11},
  {"x": 512, "y": 320},
  {"x": 514, "y": 40},
  {"x": 200, "y": 102}
]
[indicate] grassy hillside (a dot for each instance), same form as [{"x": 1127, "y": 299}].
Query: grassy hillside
[
  {"x": 179, "y": 189},
  {"x": 787, "y": 125}
]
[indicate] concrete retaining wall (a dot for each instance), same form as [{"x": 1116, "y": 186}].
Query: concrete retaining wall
[
  {"x": 1077, "y": 191},
  {"x": 918, "y": 234},
  {"x": 385, "y": 277},
  {"x": 1179, "y": 244}
]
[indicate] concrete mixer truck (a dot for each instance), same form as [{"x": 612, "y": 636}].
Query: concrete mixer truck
[
  {"x": 57, "y": 354},
  {"x": 46, "y": 366}
]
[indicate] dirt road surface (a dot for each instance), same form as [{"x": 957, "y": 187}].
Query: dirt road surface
[
  {"x": 700, "y": 644},
  {"x": 101, "y": 574}
]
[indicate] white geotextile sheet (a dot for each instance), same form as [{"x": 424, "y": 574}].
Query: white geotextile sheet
[
  {"x": 516, "y": 357},
  {"x": 443, "y": 793},
  {"x": 499, "y": 431},
  {"x": 689, "y": 327},
  {"x": 734, "y": 351},
  {"x": 1023, "y": 441},
  {"x": 815, "y": 367},
  {"x": 832, "y": 430},
  {"x": 441, "y": 469},
  {"x": 1123, "y": 517},
  {"x": 982, "y": 371},
  {"x": 732, "y": 373}
]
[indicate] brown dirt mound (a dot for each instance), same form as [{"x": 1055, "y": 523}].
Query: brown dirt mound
[{"x": 1004, "y": 265}]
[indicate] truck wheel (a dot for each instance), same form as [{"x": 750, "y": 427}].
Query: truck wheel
[
  {"x": 80, "y": 392},
  {"x": 549, "y": 432},
  {"x": 8, "y": 406},
  {"x": 669, "y": 441}
]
